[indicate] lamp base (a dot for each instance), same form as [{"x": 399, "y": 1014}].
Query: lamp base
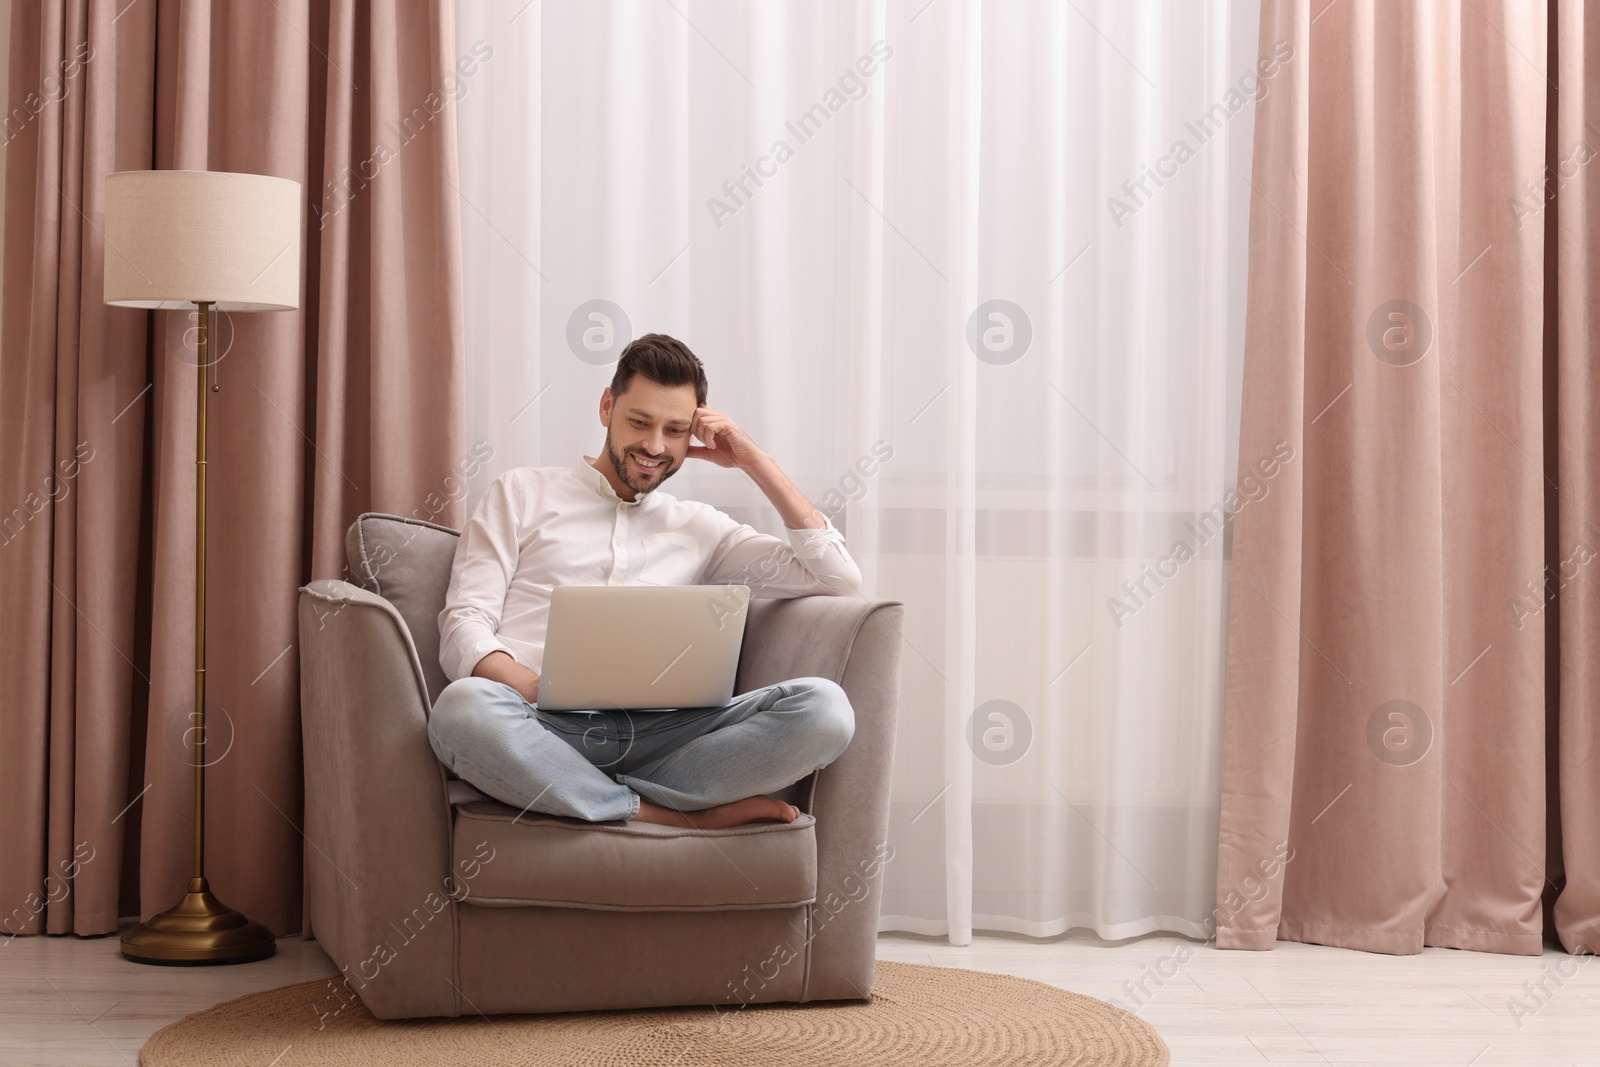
[{"x": 199, "y": 930}]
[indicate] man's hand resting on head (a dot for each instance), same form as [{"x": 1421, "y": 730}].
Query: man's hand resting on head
[
  {"x": 499, "y": 666},
  {"x": 727, "y": 445}
]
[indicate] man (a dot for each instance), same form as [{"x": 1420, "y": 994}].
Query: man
[{"x": 604, "y": 521}]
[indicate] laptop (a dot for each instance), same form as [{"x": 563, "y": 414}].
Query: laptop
[{"x": 642, "y": 647}]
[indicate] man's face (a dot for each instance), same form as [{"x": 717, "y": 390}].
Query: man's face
[{"x": 647, "y": 431}]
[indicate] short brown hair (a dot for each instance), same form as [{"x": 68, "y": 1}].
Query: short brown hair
[{"x": 662, "y": 359}]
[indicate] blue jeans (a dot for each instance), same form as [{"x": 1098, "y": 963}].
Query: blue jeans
[{"x": 595, "y": 765}]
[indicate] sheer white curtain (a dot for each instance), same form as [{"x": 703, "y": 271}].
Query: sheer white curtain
[{"x": 973, "y": 273}]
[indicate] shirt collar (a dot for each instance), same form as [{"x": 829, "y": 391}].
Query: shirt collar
[{"x": 597, "y": 481}]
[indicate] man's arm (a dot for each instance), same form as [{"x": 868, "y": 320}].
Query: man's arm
[
  {"x": 813, "y": 561},
  {"x": 481, "y": 572},
  {"x": 500, "y": 667},
  {"x": 798, "y": 512}
]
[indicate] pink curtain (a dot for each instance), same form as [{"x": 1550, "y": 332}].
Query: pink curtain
[
  {"x": 353, "y": 403},
  {"x": 1414, "y": 621}
]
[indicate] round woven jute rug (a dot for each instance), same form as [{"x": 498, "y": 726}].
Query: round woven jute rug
[{"x": 918, "y": 1016}]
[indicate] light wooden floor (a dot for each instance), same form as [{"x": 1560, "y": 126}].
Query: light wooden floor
[{"x": 74, "y": 1001}]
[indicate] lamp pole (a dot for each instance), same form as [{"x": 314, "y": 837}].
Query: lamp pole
[{"x": 199, "y": 929}]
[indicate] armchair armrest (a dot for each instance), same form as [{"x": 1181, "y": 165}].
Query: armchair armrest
[
  {"x": 377, "y": 814},
  {"x": 856, "y": 643}
]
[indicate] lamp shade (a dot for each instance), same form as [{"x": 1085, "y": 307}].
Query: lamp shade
[{"x": 177, "y": 237}]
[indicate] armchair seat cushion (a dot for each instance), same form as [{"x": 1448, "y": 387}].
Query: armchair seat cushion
[{"x": 529, "y": 858}]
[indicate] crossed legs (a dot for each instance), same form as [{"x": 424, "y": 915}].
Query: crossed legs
[{"x": 701, "y": 767}]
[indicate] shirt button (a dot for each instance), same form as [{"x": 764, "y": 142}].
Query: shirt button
[
  {"x": 617, "y": 541},
  {"x": 612, "y": 582}
]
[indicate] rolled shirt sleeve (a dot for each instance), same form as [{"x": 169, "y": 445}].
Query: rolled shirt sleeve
[
  {"x": 809, "y": 563},
  {"x": 485, "y": 561}
]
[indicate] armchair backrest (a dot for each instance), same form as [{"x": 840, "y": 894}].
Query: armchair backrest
[{"x": 407, "y": 562}]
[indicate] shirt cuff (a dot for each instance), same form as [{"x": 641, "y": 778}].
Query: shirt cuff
[{"x": 812, "y": 542}]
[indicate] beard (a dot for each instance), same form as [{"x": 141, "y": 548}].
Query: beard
[{"x": 631, "y": 478}]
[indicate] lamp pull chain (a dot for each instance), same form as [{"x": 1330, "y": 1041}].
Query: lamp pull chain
[{"x": 214, "y": 387}]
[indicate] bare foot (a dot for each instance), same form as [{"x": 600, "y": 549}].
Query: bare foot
[{"x": 750, "y": 809}]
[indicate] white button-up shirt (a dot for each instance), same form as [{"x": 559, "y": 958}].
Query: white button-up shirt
[{"x": 540, "y": 527}]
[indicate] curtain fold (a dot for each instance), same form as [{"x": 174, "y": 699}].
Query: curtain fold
[
  {"x": 1387, "y": 753},
  {"x": 353, "y": 403},
  {"x": 1571, "y": 223}
]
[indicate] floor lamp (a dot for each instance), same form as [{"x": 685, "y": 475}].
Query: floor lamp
[{"x": 187, "y": 240}]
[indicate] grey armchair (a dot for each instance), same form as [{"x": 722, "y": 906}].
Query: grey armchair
[{"x": 434, "y": 900}]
